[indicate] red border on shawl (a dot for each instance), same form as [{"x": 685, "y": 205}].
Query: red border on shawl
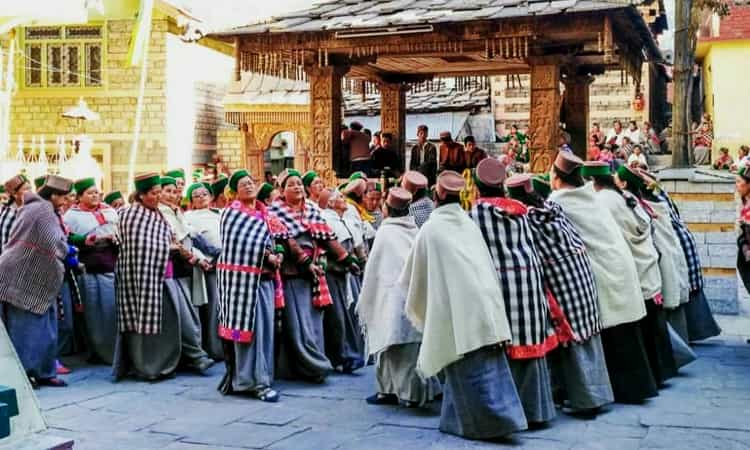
[{"x": 231, "y": 334}]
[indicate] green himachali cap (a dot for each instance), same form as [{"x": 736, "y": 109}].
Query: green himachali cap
[
  {"x": 217, "y": 187},
  {"x": 167, "y": 180},
  {"x": 144, "y": 182},
  {"x": 630, "y": 177},
  {"x": 595, "y": 169},
  {"x": 194, "y": 186},
  {"x": 39, "y": 181},
  {"x": 236, "y": 177},
  {"x": 81, "y": 185},
  {"x": 540, "y": 185},
  {"x": 112, "y": 196},
  {"x": 309, "y": 177},
  {"x": 265, "y": 191},
  {"x": 176, "y": 173}
]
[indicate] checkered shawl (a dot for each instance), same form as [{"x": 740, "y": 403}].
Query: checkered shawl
[
  {"x": 507, "y": 233},
  {"x": 311, "y": 221},
  {"x": 566, "y": 267},
  {"x": 421, "y": 210},
  {"x": 139, "y": 273},
  {"x": 687, "y": 241},
  {"x": 7, "y": 217},
  {"x": 245, "y": 235}
]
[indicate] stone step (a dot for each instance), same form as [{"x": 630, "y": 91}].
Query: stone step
[{"x": 4, "y": 420}]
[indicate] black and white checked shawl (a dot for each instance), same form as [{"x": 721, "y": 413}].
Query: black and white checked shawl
[
  {"x": 139, "y": 273},
  {"x": 7, "y": 217},
  {"x": 310, "y": 221},
  {"x": 245, "y": 235},
  {"x": 687, "y": 242},
  {"x": 567, "y": 269},
  {"x": 421, "y": 210},
  {"x": 507, "y": 233}
]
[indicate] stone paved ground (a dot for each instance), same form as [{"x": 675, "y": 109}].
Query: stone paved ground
[{"x": 707, "y": 407}]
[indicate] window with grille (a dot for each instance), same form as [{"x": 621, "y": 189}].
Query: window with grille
[{"x": 63, "y": 56}]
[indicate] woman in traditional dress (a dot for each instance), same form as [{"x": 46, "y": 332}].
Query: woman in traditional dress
[
  {"x": 579, "y": 370},
  {"x": 31, "y": 274},
  {"x": 16, "y": 187},
  {"x": 742, "y": 185},
  {"x": 636, "y": 224},
  {"x": 506, "y": 231},
  {"x": 306, "y": 293},
  {"x": 93, "y": 229},
  {"x": 190, "y": 261},
  {"x": 313, "y": 185},
  {"x": 621, "y": 305},
  {"x": 115, "y": 199},
  {"x": 151, "y": 342},
  {"x": 249, "y": 290},
  {"x": 674, "y": 277},
  {"x": 344, "y": 342},
  {"x": 217, "y": 189},
  {"x": 700, "y": 320},
  {"x": 204, "y": 222}
]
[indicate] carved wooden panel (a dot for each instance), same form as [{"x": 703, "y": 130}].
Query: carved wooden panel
[
  {"x": 545, "y": 115},
  {"x": 326, "y": 116},
  {"x": 393, "y": 113}
]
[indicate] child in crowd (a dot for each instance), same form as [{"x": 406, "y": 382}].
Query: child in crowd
[
  {"x": 637, "y": 159},
  {"x": 725, "y": 161}
]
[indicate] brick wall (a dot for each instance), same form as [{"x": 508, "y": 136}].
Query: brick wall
[
  {"x": 37, "y": 112},
  {"x": 209, "y": 118}
]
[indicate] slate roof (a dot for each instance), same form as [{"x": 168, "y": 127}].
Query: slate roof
[
  {"x": 257, "y": 89},
  {"x": 351, "y": 14}
]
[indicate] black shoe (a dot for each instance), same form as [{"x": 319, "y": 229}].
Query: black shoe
[
  {"x": 51, "y": 382},
  {"x": 382, "y": 399}
]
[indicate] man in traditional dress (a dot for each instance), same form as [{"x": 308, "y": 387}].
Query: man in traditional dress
[
  {"x": 16, "y": 187},
  {"x": 620, "y": 299},
  {"x": 93, "y": 229},
  {"x": 390, "y": 336},
  {"x": 114, "y": 199},
  {"x": 448, "y": 264},
  {"x": 505, "y": 228},
  {"x": 358, "y": 145},
  {"x": 423, "y": 158},
  {"x": 156, "y": 331},
  {"x": 204, "y": 223},
  {"x": 31, "y": 275},
  {"x": 579, "y": 370},
  {"x": 357, "y": 213},
  {"x": 451, "y": 154},
  {"x": 374, "y": 202},
  {"x": 386, "y": 160},
  {"x": 473, "y": 155},
  {"x": 421, "y": 205}
]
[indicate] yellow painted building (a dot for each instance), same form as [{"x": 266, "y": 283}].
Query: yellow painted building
[
  {"x": 723, "y": 53},
  {"x": 58, "y": 63}
]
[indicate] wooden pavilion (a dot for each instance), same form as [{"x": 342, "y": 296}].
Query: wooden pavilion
[{"x": 396, "y": 44}]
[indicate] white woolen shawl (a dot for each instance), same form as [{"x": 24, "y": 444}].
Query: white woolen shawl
[
  {"x": 205, "y": 222},
  {"x": 620, "y": 297},
  {"x": 183, "y": 231},
  {"x": 84, "y": 222},
  {"x": 673, "y": 265},
  {"x": 453, "y": 293},
  {"x": 635, "y": 224},
  {"x": 382, "y": 300}
]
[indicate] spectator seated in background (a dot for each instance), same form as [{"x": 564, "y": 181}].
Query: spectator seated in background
[
  {"x": 725, "y": 161},
  {"x": 702, "y": 142},
  {"x": 593, "y": 152},
  {"x": 637, "y": 159},
  {"x": 606, "y": 155},
  {"x": 742, "y": 159}
]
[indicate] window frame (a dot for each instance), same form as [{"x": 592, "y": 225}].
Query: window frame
[{"x": 64, "y": 43}]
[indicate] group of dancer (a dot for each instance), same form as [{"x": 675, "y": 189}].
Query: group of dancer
[{"x": 575, "y": 289}]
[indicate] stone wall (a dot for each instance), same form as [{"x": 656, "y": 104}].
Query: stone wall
[
  {"x": 229, "y": 147},
  {"x": 38, "y": 111},
  {"x": 707, "y": 204},
  {"x": 209, "y": 118},
  {"x": 609, "y": 99}
]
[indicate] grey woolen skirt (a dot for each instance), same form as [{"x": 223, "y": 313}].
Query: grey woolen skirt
[
  {"x": 480, "y": 400},
  {"x": 579, "y": 370},
  {"x": 302, "y": 352},
  {"x": 250, "y": 366},
  {"x": 396, "y": 373},
  {"x": 534, "y": 388},
  {"x": 700, "y": 320},
  {"x": 34, "y": 336},
  {"x": 345, "y": 344},
  {"x": 209, "y": 316},
  {"x": 100, "y": 313}
]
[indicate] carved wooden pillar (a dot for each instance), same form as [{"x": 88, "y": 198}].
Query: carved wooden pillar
[
  {"x": 393, "y": 114},
  {"x": 237, "y": 60},
  {"x": 252, "y": 151},
  {"x": 325, "y": 115},
  {"x": 576, "y": 107},
  {"x": 545, "y": 115}
]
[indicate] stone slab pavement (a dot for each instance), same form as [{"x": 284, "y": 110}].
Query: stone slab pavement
[{"x": 707, "y": 407}]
